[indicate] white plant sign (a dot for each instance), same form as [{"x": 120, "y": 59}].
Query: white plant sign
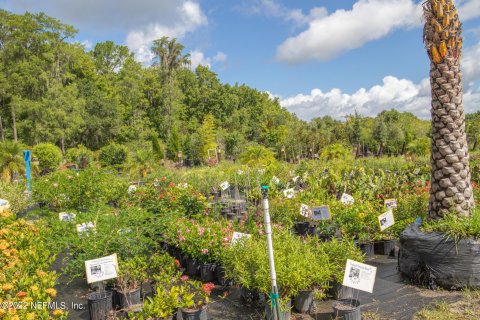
[
  {"x": 305, "y": 211},
  {"x": 391, "y": 203},
  {"x": 84, "y": 227},
  {"x": 416, "y": 172},
  {"x": 321, "y": 213},
  {"x": 66, "y": 216},
  {"x": 4, "y": 205},
  {"x": 183, "y": 185},
  {"x": 289, "y": 193},
  {"x": 240, "y": 172},
  {"x": 347, "y": 199},
  {"x": 132, "y": 188},
  {"x": 237, "y": 236},
  {"x": 359, "y": 276},
  {"x": 295, "y": 179},
  {"x": 386, "y": 220},
  {"x": 225, "y": 185},
  {"x": 275, "y": 180},
  {"x": 102, "y": 268}
]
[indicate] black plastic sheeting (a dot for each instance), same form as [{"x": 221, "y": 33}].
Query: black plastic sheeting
[{"x": 434, "y": 259}]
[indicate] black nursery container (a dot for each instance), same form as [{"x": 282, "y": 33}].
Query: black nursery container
[
  {"x": 99, "y": 304},
  {"x": 207, "y": 272}
]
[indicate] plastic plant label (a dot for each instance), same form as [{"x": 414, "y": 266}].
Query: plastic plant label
[
  {"x": 321, "y": 213},
  {"x": 102, "y": 268},
  {"x": 295, "y": 179},
  {"x": 132, "y": 188},
  {"x": 66, "y": 216},
  {"x": 237, "y": 236},
  {"x": 225, "y": 185},
  {"x": 359, "y": 276},
  {"x": 289, "y": 193},
  {"x": 416, "y": 172},
  {"x": 386, "y": 220},
  {"x": 84, "y": 227},
  {"x": 240, "y": 172},
  {"x": 347, "y": 199},
  {"x": 391, "y": 203},
  {"x": 261, "y": 171},
  {"x": 305, "y": 211},
  {"x": 275, "y": 180},
  {"x": 4, "y": 205},
  {"x": 183, "y": 185}
]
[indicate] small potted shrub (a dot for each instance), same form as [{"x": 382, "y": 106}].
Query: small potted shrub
[
  {"x": 193, "y": 300},
  {"x": 163, "y": 305},
  {"x": 132, "y": 273}
]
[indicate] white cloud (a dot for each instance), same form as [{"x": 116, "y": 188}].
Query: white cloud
[
  {"x": 198, "y": 58},
  {"x": 468, "y": 9},
  {"x": 343, "y": 30},
  {"x": 272, "y": 8},
  {"x": 329, "y": 36},
  {"x": 140, "y": 40},
  {"x": 401, "y": 94},
  {"x": 87, "y": 44}
]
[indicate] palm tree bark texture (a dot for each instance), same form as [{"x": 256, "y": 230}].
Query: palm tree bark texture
[{"x": 450, "y": 188}]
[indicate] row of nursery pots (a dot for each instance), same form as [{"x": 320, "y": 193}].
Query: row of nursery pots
[
  {"x": 103, "y": 304},
  {"x": 369, "y": 249}
]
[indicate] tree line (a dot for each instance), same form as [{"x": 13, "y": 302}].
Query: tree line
[{"x": 54, "y": 90}]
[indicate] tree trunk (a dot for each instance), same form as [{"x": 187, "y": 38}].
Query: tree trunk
[
  {"x": 2, "y": 134},
  {"x": 62, "y": 144},
  {"x": 450, "y": 188},
  {"x": 14, "y": 124}
]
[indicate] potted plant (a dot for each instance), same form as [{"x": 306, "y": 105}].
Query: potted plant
[
  {"x": 131, "y": 274},
  {"x": 163, "y": 305},
  {"x": 347, "y": 309},
  {"x": 193, "y": 300}
]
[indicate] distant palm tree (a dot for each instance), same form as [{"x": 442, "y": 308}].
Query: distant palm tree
[
  {"x": 11, "y": 160},
  {"x": 169, "y": 56},
  {"x": 451, "y": 189},
  {"x": 141, "y": 164}
]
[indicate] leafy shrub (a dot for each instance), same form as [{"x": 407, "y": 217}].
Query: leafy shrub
[
  {"x": 49, "y": 156},
  {"x": 76, "y": 155},
  {"x": 336, "y": 151},
  {"x": 258, "y": 156},
  {"x": 14, "y": 193},
  {"x": 113, "y": 155}
]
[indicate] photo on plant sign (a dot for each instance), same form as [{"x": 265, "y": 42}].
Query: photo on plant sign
[
  {"x": 96, "y": 270},
  {"x": 391, "y": 203},
  {"x": 347, "y": 199},
  {"x": 321, "y": 213}
]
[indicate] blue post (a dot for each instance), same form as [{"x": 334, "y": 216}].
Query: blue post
[{"x": 26, "y": 157}]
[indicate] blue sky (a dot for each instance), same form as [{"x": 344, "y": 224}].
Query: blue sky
[{"x": 319, "y": 57}]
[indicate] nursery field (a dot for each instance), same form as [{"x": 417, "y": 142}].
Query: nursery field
[{"x": 191, "y": 242}]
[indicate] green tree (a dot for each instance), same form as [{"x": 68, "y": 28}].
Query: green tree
[
  {"x": 49, "y": 156},
  {"x": 109, "y": 57}
]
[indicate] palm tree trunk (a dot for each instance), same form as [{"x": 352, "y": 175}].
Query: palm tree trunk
[{"x": 450, "y": 188}]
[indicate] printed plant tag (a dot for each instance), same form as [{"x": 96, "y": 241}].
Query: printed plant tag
[
  {"x": 359, "y": 276},
  {"x": 225, "y": 185},
  {"x": 66, "y": 216},
  {"x": 289, "y": 193},
  {"x": 102, "y": 268},
  {"x": 347, "y": 199},
  {"x": 321, "y": 213},
  {"x": 305, "y": 211},
  {"x": 386, "y": 220},
  {"x": 391, "y": 203},
  {"x": 237, "y": 236}
]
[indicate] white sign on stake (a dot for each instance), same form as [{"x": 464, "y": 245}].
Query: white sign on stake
[
  {"x": 321, "y": 213},
  {"x": 84, "y": 227},
  {"x": 4, "y": 205},
  {"x": 275, "y": 180},
  {"x": 416, "y": 172},
  {"x": 237, "y": 236},
  {"x": 132, "y": 188},
  {"x": 102, "y": 268},
  {"x": 347, "y": 199},
  {"x": 66, "y": 216},
  {"x": 240, "y": 172},
  {"x": 386, "y": 220},
  {"x": 289, "y": 193},
  {"x": 391, "y": 203},
  {"x": 225, "y": 185},
  {"x": 295, "y": 179},
  {"x": 305, "y": 211},
  {"x": 359, "y": 276}
]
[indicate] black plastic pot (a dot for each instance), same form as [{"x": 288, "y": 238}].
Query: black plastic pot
[
  {"x": 347, "y": 309},
  {"x": 251, "y": 297},
  {"x": 386, "y": 247},
  {"x": 302, "y": 228},
  {"x": 338, "y": 291},
  {"x": 128, "y": 299},
  {"x": 312, "y": 230},
  {"x": 367, "y": 249},
  {"x": 193, "y": 268},
  {"x": 207, "y": 272},
  {"x": 304, "y": 302},
  {"x": 194, "y": 314},
  {"x": 285, "y": 314},
  {"x": 99, "y": 304}
]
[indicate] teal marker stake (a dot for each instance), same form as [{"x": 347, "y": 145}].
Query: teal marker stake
[{"x": 26, "y": 156}]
